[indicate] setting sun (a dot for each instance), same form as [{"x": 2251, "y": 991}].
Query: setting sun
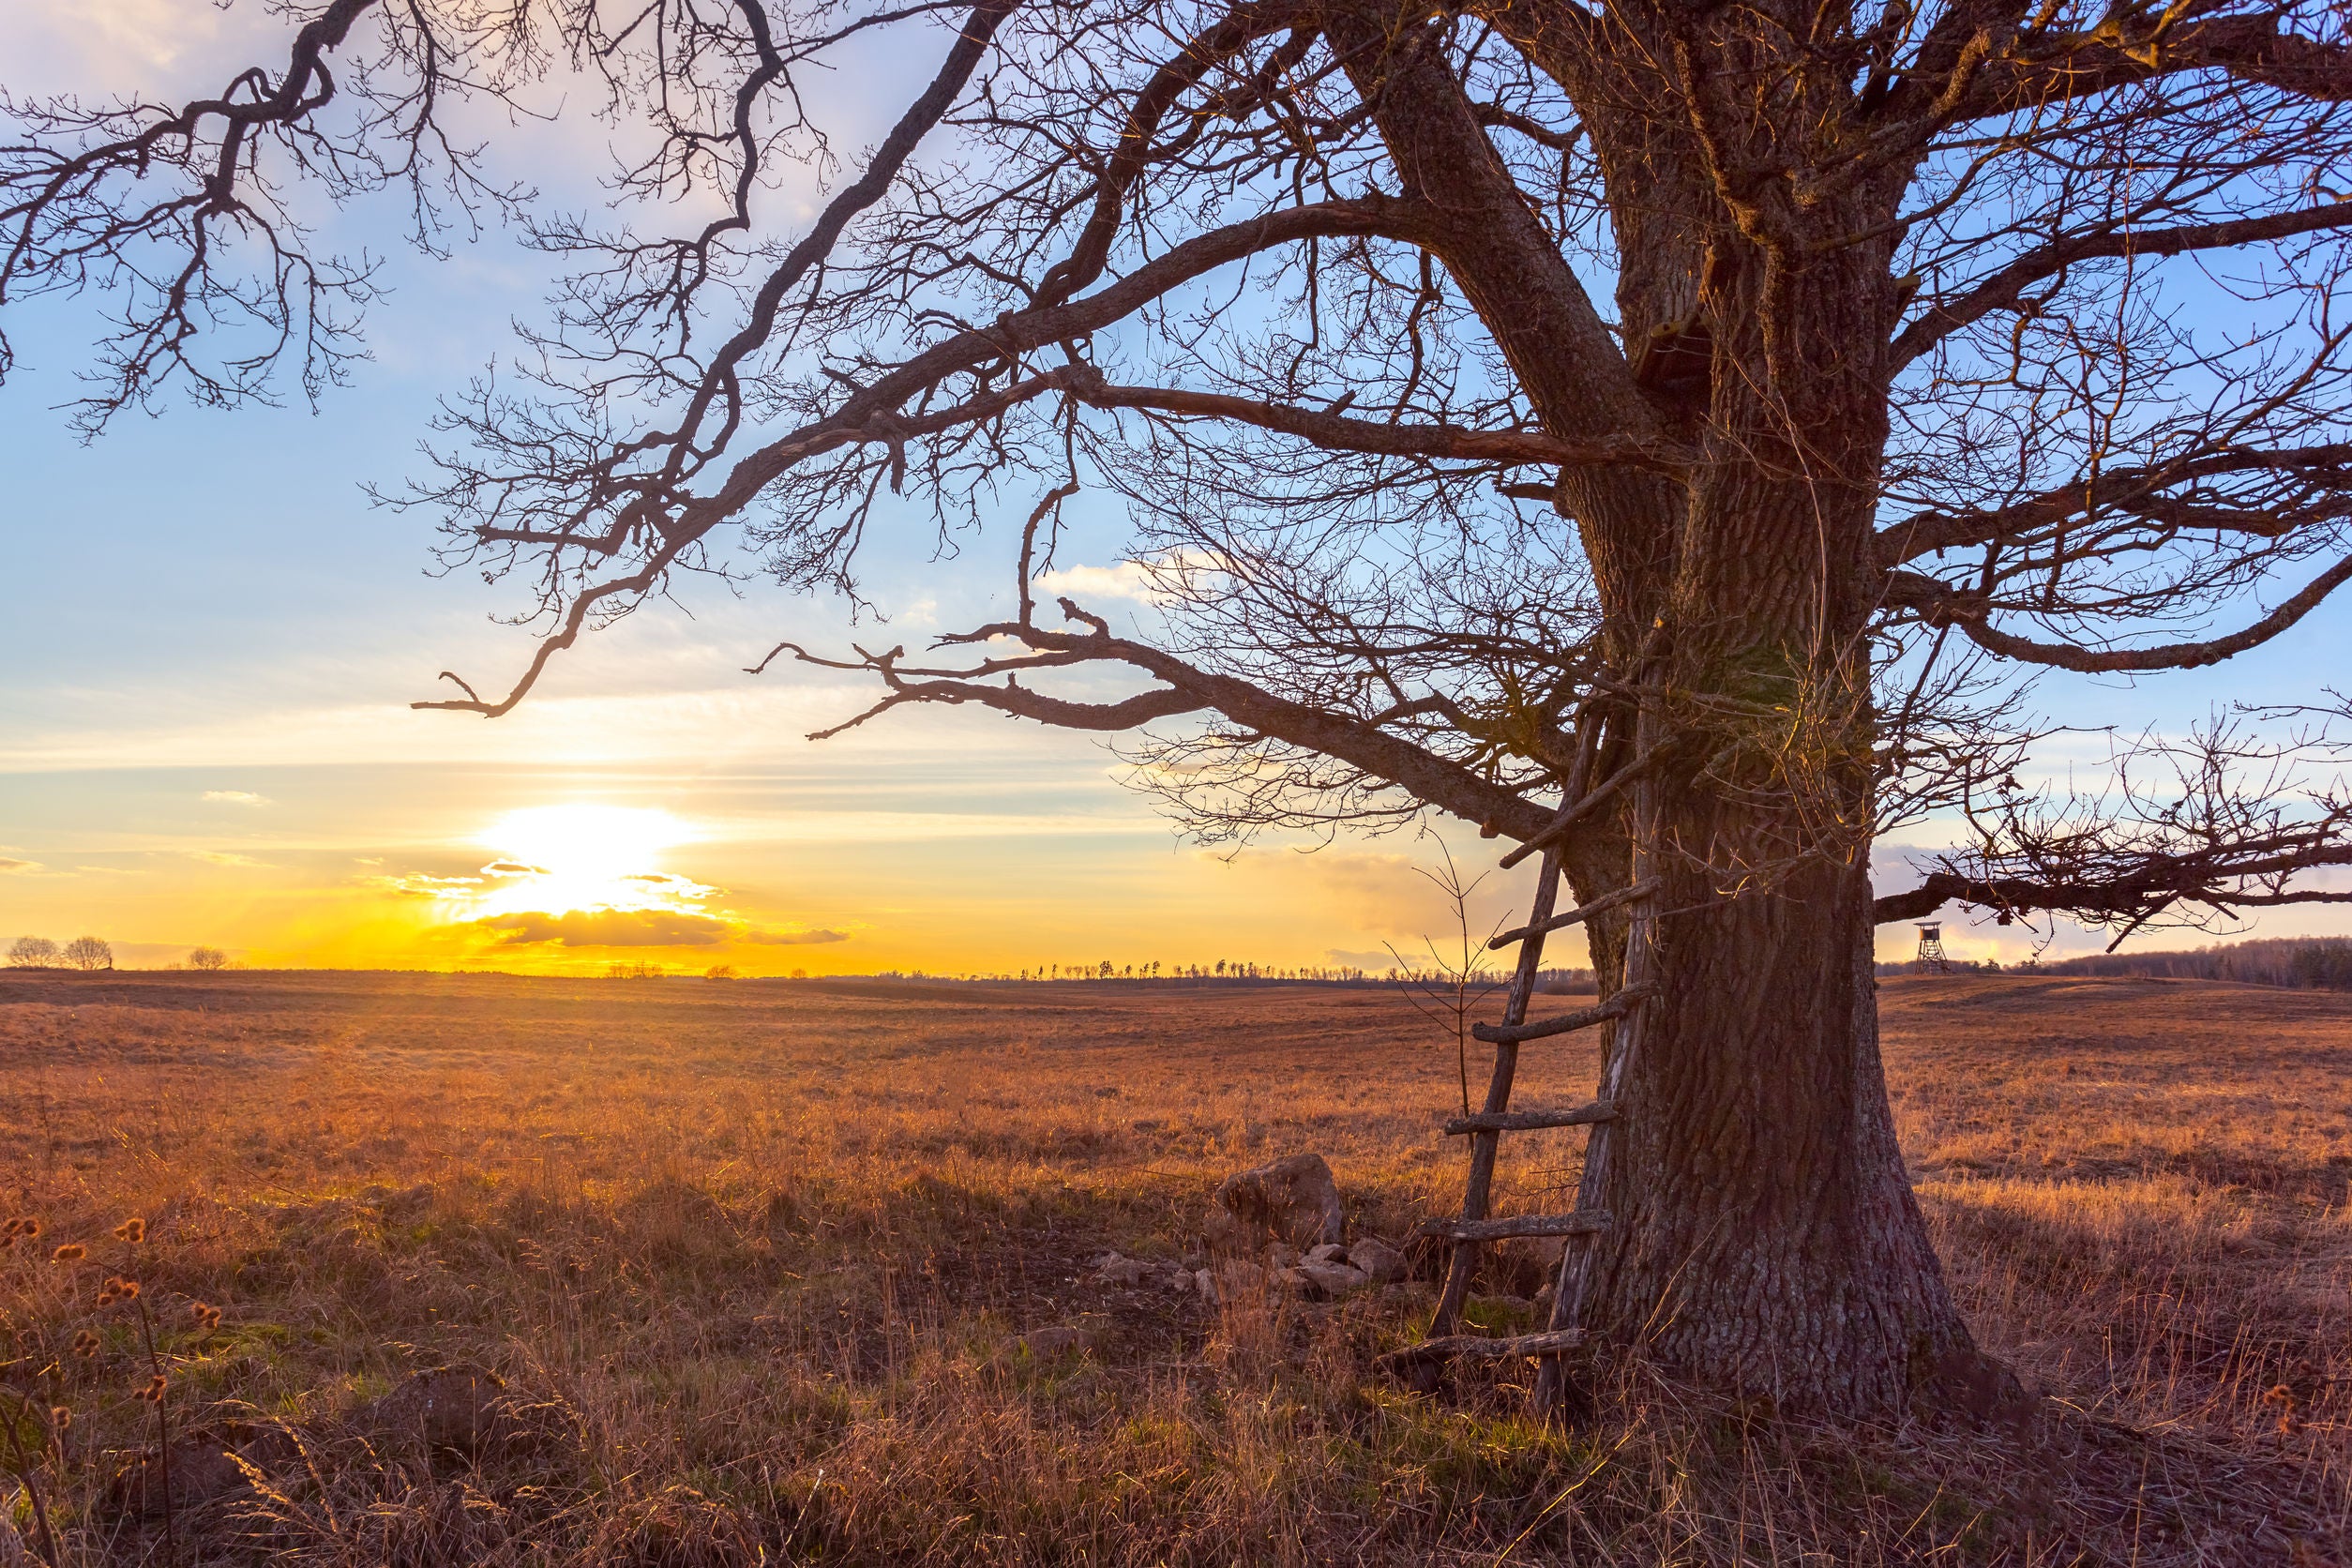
[{"x": 585, "y": 857}]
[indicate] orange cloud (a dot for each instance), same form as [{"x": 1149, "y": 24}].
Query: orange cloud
[
  {"x": 609, "y": 929},
  {"x": 795, "y": 938}
]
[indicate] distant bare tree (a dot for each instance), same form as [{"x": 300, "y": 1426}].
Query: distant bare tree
[
  {"x": 208, "y": 958},
  {"x": 89, "y": 953},
  {"x": 32, "y": 952},
  {"x": 1950, "y": 342}
]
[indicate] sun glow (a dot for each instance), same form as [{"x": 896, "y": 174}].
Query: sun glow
[{"x": 586, "y": 857}]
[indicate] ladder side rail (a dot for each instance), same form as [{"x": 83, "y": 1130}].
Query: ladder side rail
[
  {"x": 1622, "y": 1043},
  {"x": 1486, "y": 1141}
]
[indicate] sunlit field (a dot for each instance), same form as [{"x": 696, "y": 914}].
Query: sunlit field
[{"x": 741, "y": 1272}]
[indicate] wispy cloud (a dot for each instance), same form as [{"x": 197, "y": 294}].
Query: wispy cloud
[
  {"x": 9, "y": 867},
  {"x": 668, "y": 884},
  {"x": 228, "y": 857},
  {"x": 417, "y": 884},
  {"x": 795, "y": 938},
  {"x": 235, "y": 797}
]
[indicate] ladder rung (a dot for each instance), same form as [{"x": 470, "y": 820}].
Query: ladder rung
[
  {"x": 1514, "y": 1034},
  {"x": 1455, "y": 1344},
  {"x": 1578, "y": 915},
  {"x": 1578, "y": 1224},
  {"x": 1568, "y": 815},
  {"x": 1531, "y": 1121}
]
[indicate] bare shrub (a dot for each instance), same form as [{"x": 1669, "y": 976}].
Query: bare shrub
[{"x": 32, "y": 952}]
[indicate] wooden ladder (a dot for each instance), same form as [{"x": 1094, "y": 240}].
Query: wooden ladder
[{"x": 1486, "y": 1127}]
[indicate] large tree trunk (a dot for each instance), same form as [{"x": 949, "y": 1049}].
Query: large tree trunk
[{"x": 1765, "y": 1238}]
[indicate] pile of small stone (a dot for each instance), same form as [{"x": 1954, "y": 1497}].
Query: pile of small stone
[
  {"x": 1137, "y": 1273},
  {"x": 1325, "y": 1272},
  {"x": 1280, "y": 1229}
]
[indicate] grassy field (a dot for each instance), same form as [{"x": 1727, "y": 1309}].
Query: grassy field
[{"x": 750, "y": 1262}]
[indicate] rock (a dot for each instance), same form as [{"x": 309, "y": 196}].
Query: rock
[
  {"x": 1376, "y": 1257},
  {"x": 1294, "y": 1199},
  {"x": 457, "y": 1409},
  {"x": 1128, "y": 1272},
  {"x": 1049, "y": 1344},
  {"x": 1234, "y": 1281},
  {"x": 1335, "y": 1280},
  {"x": 204, "y": 1469},
  {"x": 1327, "y": 1252}
]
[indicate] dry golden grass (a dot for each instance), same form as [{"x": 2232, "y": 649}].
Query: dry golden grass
[{"x": 751, "y": 1258}]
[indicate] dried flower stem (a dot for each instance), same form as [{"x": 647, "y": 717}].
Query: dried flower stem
[
  {"x": 162, "y": 1431},
  {"x": 21, "y": 1465}
]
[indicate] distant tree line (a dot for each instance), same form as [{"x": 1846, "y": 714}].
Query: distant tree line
[
  {"x": 1959, "y": 966},
  {"x": 2310, "y": 963},
  {"x": 1242, "y": 972},
  {"x": 1223, "y": 969}
]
